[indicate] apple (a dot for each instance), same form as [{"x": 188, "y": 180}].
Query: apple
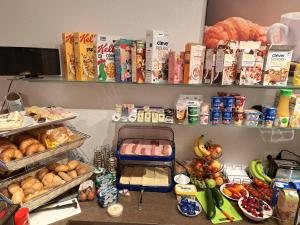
[
  {"x": 209, "y": 158},
  {"x": 219, "y": 181},
  {"x": 199, "y": 166},
  {"x": 218, "y": 174},
  {"x": 218, "y": 149},
  {"x": 210, "y": 183},
  {"x": 216, "y": 164}
]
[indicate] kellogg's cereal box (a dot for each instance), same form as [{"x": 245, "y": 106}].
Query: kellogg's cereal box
[
  {"x": 123, "y": 60},
  {"x": 175, "y": 70},
  {"x": 138, "y": 54},
  {"x": 193, "y": 63},
  {"x": 157, "y": 51},
  {"x": 105, "y": 57},
  {"x": 68, "y": 56},
  {"x": 84, "y": 48}
]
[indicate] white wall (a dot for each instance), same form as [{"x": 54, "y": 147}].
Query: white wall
[{"x": 40, "y": 23}]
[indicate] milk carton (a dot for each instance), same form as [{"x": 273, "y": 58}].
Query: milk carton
[
  {"x": 157, "y": 48},
  {"x": 68, "y": 56},
  {"x": 105, "y": 61},
  {"x": 84, "y": 48}
]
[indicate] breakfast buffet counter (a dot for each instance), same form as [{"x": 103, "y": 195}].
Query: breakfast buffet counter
[{"x": 157, "y": 208}]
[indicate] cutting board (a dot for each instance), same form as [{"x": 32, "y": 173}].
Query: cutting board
[
  {"x": 51, "y": 216},
  {"x": 219, "y": 218}
]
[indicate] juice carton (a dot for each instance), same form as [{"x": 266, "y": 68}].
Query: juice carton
[
  {"x": 209, "y": 66},
  {"x": 294, "y": 111},
  {"x": 138, "y": 55},
  {"x": 250, "y": 63},
  {"x": 277, "y": 65},
  {"x": 84, "y": 48},
  {"x": 193, "y": 63},
  {"x": 105, "y": 57},
  {"x": 68, "y": 56},
  {"x": 277, "y": 186},
  {"x": 157, "y": 51},
  {"x": 287, "y": 206},
  {"x": 123, "y": 60},
  {"x": 175, "y": 69}
]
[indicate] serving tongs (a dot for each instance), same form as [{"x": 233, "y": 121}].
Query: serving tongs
[{"x": 141, "y": 200}]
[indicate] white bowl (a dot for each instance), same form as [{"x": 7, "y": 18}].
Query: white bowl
[
  {"x": 267, "y": 213},
  {"x": 233, "y": 199}
]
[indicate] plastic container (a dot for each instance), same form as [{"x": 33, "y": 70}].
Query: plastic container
[
  {"x": 185, "y": 191},
  {"x": 252, "y": 114},
  {"x": 216, "y": 102},
  {"x": 228, "y": 101},
  {"x": 283, "y": 113},
  {"x": 215, "y": 116}
]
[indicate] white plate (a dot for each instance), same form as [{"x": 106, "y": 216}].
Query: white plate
[
  {"x": 28, "y": 121},
  {"x": 233, "y": 199},
  {"x": 196, "y": 212},
  {"x": 267, "y": 213}
]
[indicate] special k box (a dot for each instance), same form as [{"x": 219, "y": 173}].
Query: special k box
[
  {"x": 68, "y": 56},
  {"x": 84, "y": 49},
  {"x": 105, "y": 57},
  {"x": 157, "y": 51}
]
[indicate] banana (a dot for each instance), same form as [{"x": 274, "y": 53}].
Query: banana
[
  {"x": 260, "y": 170},
  {"x": 197, "y": 151},
  {"x": 201, "y": 146},
  {"x": 253, "y": 172}
]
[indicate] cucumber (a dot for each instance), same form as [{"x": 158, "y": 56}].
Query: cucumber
[
  {"x": 217, "y": 196},
  {"x": 211, "y": 208}
]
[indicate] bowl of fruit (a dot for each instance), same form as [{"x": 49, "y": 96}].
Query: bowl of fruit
[
  {"x": 189, "y": 207},
  {"x": 234, "y": 191},
  {"x": 255, "y": 209}
]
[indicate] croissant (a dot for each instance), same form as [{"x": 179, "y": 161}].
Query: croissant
[{"x": 236, "y": 29}]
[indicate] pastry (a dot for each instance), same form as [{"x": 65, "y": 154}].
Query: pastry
[
  {"x": 48, "y": 179},
  {"x": 14, "y": 187},
  {"x": 29, "y": 182},
  {"x": 61, "y": 168},
  {"x": 64, "y": 176},
  {"x": 42, "y": 173},
  {"x": 35, "y": 194},
  {"x": 9, "y": 154},
  {"x": 72, "y": 174},
  {"x": 5, "y": 192},
  {"x": 81, "y": 170},
  {"x": 38, "y": 186},
  {"x": 34, "y": 148},
  {"x": 53, "y": 166},
  {"x": 28, "y": 191},
  {"x": 25, "y": 143},
  {"x": 18, "y": 197},
  {"x": 72, "y": 164},
  {"x": 11, "y": 121},
  {"x": 21, "y": 137},
  {"x": 5, "y": 145},
  {"x": 57, "y": 181},
  {"x": 57, "y": 136}
]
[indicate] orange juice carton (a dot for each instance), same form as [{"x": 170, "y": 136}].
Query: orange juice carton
[
  {"x": 157, "y": 51},
  {"x": 287, "y": 206},
  {"x": 175, "y": 71},
  {"x": 250, "y": 63},
  {"x": 105, "y": 57},
  {"x": 123, "y": 60},
  {"x": 138, "y": 55},
  {"x": 277, "y": 65},
  {"x": 84, "y": 49},
  {"x": 193, "y": 63},
  {"x": 68, "y": 56},
  {"x": 209, "y": 65}
]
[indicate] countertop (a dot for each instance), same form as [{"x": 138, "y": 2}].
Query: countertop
[{"x": 157, "y": 208}]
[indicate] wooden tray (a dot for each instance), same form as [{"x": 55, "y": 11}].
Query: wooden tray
[
  {"x": 52, "y": 193},
  {"x": 28, "y": 160}
]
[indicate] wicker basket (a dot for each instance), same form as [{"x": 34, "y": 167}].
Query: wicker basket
[
  {"x": 52, "y": 193},
  {"x": 28, "y": 160}
]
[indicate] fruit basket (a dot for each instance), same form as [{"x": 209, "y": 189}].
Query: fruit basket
[
  {"x": 51, "y": 193},
  {"x": 28, "y": 160}
]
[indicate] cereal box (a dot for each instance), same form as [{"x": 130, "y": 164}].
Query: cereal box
[
  {"x": 105, "y": 57},
  {"x": 250, "y": 62},
  {"x": 84, "y": 49},
  {"x": 277, "y": 65},
  {"x": 157, "y": 51},
  {"x": 123, "y": 60},
  {"x": 194, "y": 63},
  {"x": 209, "y": 66},
  {"x": 226, "y": 63},
  {"x": 68, "y": 56},
  {"x": 176, "y": 63},
  {"x": 138, "y": 55}
]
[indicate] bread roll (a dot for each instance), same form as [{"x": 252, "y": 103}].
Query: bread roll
[
  {"x": 72, "y": 174},
  {"x": 14, "y": 187},
  {"x": 38, "y": 186},
  {"x": 64, "y": 176},
  {"x": 48, "y": 179},
  {"x": 61, "y": 168},
  {"x": 72, "y": 164},
  {"x": 81, "y": 170},
  {"x": 42, "y": 173},
  {"x": 18, "y": 197},
  {"x": 35, "y": 194},
  {"x": 28, "y": 180},
  {"x": 28, "y": 191},
  {"x": 24, "y": 144},
  {"x": 57, "y": 181},
  {"x": 5, "y": 192},
  {"x": 53, "y": 166}
]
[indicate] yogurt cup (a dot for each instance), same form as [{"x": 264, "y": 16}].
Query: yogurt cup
[
  {"x": 216, "y": 102},
  {"x": 215, "y": 116}
]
